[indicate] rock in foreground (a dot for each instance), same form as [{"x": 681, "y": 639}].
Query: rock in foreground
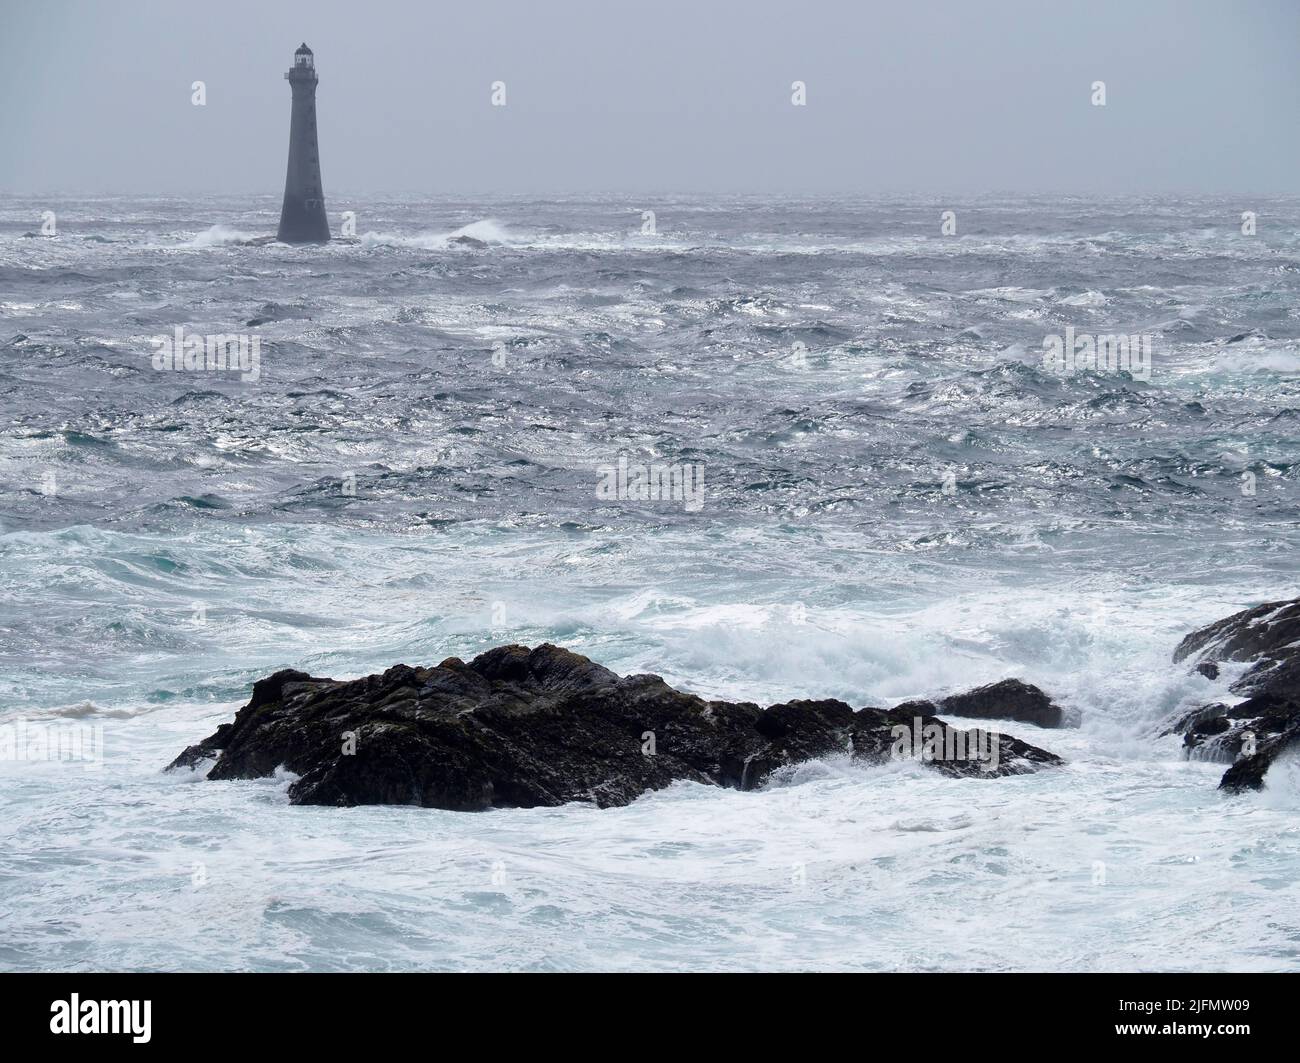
[
  {"x": 1255, "y": 731},
  {"x": 527, "y": 727}
]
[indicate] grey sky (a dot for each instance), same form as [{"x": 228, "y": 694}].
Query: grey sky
[{"x": 656, "y": 96}]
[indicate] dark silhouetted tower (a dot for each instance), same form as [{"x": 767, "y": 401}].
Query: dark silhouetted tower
[{"x": 302, "y": 218}]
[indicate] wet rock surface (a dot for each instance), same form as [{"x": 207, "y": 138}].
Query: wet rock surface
[
  {"x": 1265, "y": 723},
  {"x": 521, "y": 727},
  {"x": 1008, "y": 700}
]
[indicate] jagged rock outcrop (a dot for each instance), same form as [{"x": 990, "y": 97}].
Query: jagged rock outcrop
[
  {"x": 1009, "y": 699},
  {"x": 527, "y": 727},
  {"x": 1255, "y": 731}
]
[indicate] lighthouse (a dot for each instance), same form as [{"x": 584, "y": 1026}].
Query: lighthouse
[{"x": 302, "y": 217}]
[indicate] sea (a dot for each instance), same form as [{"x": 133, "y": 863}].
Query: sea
[{"x": 472, "y": 421}]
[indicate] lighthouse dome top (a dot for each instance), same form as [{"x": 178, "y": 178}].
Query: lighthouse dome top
[
  {"x": 303, "y": 59},
  {"x": 303, "y": 49}
]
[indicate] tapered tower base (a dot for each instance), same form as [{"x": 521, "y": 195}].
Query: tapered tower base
[{"x": 302, "y": 217}]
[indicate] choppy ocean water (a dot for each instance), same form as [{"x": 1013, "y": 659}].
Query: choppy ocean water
[{"x": 899, "y": 500}]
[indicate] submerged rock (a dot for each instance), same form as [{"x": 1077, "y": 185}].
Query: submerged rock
[
  {"x": 1258, "y": 729},
  {"x": 527, "y": 727}
]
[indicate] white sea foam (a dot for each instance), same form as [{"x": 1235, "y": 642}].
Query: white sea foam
[
  {"x": 194, "y": 537},
  {"x": 487, "y": 231},
  {"x": 833, "y": 868},
  {"x": 220, "y": 236},
  {"x": 1089, "y": 298}
]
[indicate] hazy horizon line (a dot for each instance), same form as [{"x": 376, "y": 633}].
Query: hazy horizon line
[{"x": 684, "y": 193}]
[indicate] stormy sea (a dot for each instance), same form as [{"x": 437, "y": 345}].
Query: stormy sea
[{"x": 414, "y": 452}]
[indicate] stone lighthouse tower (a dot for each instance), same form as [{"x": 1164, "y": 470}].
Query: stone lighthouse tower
[{"x": 302, "y": 217}]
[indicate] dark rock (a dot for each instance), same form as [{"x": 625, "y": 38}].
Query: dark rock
[
  {"x": 1191, "y": 720},
  {"x": 526, "y": 727},
  {"x": 468, "y": 241},
  {"x": 1248, "y": 771},
  {"x": 1008, "y": 700},
  {"x": 917, "y": 708},
  {"x": 1202, "y": 719},
  {"x": 1270, "y": 630},
  {"x": 1213, "y": 725},
  {"x": 1255, "y": 731}
]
